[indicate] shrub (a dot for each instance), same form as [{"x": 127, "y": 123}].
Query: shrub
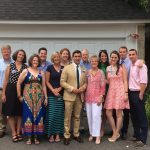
[{"x": 147, "y": 105}]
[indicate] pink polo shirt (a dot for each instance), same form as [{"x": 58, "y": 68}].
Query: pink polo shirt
[
  {"x": 95, "y": 86},
  {"x": 137, "y": 75}
]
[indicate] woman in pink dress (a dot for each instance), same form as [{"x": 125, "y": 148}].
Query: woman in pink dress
[
  {"x": 117, "y": 96},
  {"x": 94, "y": 98}
]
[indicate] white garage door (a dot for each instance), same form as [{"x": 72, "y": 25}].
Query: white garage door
[{"x": 93, "y": 45}]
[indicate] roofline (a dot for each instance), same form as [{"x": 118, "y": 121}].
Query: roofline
[{"x": 28, "y": 22}]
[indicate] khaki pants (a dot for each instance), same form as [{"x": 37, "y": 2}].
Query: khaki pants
[
  {"x": 3, "y": 119},
  {"x": 74, "y": 107}
]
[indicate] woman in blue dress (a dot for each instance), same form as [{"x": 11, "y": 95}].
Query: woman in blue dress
[{"x": 33, "y": 98}]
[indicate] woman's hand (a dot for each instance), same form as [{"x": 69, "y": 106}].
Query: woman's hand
[
  {"x": 59, "y": 89},
  {"x": 55, "y": 92},
  {"x": 126, "y": 97},
  {"x": 3, "y": 98},
  {"x": 99, "y": 103},
  {"x": 100, "y": 100},
  {"x": 20, "y": 98},
  {"x": 46, "y": 101}
]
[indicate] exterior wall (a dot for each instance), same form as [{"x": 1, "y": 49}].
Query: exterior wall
[
  {"x": 95, "y": 36},
  {"x": 141, "y": 41}
]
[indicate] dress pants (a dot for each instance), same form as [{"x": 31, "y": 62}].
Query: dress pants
[
  {"x": 94, "y": 113},
  {"x": 126, "y": 113},
  {"x": 138, "y": 116},
  {"x": 75, "y": 108},
  {"x": 3, "y": 119}
]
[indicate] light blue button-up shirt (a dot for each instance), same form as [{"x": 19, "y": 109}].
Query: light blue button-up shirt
[
  {"x": 44, "y": 68},
  {"x": 127, "y": 64},
  {"x": 86, "y": 65},
  {"x": 3, "y": 66}
]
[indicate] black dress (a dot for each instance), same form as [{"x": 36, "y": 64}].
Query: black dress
[{"x": 12, "y": 106}]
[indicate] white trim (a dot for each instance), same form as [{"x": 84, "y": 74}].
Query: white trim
[{"x": 78, "y": 22}]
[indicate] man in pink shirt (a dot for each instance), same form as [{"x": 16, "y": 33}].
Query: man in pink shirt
[{"x": 137, "y": 85}]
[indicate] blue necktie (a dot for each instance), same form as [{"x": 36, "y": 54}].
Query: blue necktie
[{"x": 122, "y": 62}]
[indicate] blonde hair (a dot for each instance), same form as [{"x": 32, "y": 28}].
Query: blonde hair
[
  {"x": 94, "y": 56},
  {"x": 53, "y": 56}
]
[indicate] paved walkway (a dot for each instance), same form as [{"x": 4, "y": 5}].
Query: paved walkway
[{"x": 7, "y": 144}]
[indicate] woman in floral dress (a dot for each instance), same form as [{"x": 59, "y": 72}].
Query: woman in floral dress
[{"x": 34, "y": 95}]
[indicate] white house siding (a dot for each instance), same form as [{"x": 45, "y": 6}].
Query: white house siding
[{"x": 54, "y": 37}]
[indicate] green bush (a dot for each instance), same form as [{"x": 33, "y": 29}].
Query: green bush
[{"x": 147, "y": 105}]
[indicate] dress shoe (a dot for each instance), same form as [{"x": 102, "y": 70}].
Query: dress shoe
[
  {"x": 66, "y": 141},
  {"x": 2, "y": 134},
  {"x": 78, "y": 139},
  {"x": 123, "y": 136},
  {"x": 139, "y": 144}
]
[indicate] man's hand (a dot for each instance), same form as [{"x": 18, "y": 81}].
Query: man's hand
[
  {"x": 75, "y": 91},
  {"x": 141, "y": 96}
]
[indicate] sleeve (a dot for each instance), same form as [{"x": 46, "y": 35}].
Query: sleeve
[
  {"x": 49, "y": 68},
  {"x": 143, "y": 75},
  {"x": 63, "y": 80}
]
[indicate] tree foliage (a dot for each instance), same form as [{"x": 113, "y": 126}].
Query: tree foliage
[{"x": 145, "y": 4}]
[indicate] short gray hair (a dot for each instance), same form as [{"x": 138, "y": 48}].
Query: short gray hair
[{"x": 6, "y": 46}]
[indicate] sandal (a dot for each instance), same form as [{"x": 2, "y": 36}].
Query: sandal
[
  {"x": 29, "y": 142},
  {"x": 98, "y": 141},
  {"x": 51, "y": 139},
  {"x": 90, "y": 138},
  {"x": 19, "y": 137},
  {"x": 36, "y": 141},
  {"x": 15, "y": 138},
  {"x": 57, "y": 140}
]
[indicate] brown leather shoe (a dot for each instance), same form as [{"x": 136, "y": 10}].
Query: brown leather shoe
[
  {"x": 2, "y": 134},
  {"x": 78, "y": 139},
  {"x": 66, "y": 141}
]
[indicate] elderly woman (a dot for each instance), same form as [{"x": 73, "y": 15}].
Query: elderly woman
[
  {"x": 34, "y": 95},
  {"x": 65, "y": 56},
  {"x": 94, "y": 98},
  {"x": 55, "y": 108},
  {"x": 12, "y": 107}
]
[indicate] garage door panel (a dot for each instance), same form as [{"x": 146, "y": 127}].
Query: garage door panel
[{"x": 93, "y": 45}]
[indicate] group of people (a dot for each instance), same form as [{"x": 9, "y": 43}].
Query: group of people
[{"x": 42, "y": 97}]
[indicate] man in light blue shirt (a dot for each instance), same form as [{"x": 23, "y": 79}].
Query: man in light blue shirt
[
  {"x": 43, "y": 56},
  {"x": 85, "y": 59},
  {"x": 87, "y": 65},
  {"x": 123, "y": 52},
  {"x": 4, "y": 62}
]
